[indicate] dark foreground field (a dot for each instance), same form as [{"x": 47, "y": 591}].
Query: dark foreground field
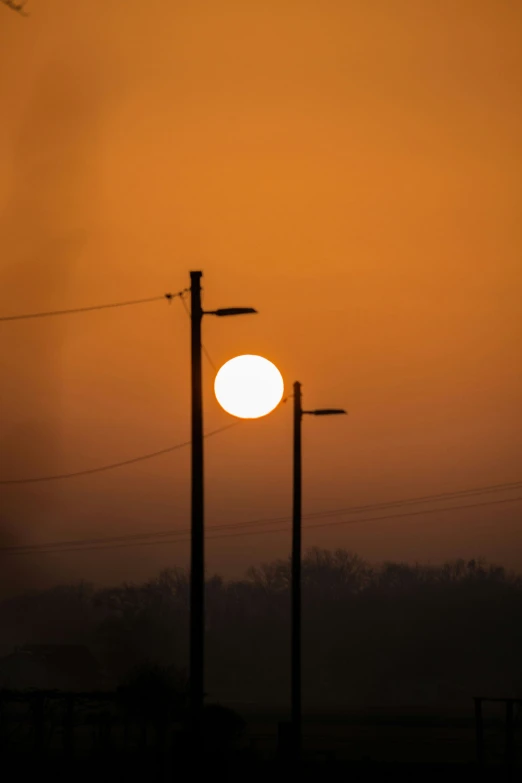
[
  {"x": 365, "y": 746},
  {"x": 118, "y": 767}
]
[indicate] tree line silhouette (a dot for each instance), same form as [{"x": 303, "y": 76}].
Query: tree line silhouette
[{"x": 390, "y": 634}]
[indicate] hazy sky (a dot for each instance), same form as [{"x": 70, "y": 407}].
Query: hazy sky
[{"x": 351, "y": 169}]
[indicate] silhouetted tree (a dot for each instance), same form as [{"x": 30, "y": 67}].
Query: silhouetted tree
[
  {"x": 143, "y": 622},
  {"x": 153, "y": 695},
  {"x": 393, "y": 633}
]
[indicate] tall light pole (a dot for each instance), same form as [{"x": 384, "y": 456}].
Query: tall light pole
[
  {"x": 197, "y": 570},
  {"x": 296, "y": 563}
]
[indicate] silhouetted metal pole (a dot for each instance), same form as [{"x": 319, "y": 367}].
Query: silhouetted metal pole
[
  {"x": 296, "y": 575},
  {"x": 197, "y": 556},
  {"x": 197, "y": 569},
  {"x": 296, "y": 715}
]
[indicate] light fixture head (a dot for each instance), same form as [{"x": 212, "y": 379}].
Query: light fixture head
[
  {"x": 327, "y": 412},
  {"x": 230, "y": 311}
]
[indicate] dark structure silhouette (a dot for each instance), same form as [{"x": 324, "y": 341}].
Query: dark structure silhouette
[
  {"x": 392, "y": 657},
  {"x": 197, "y": 556},
  {"x": 296, "y": 706}
]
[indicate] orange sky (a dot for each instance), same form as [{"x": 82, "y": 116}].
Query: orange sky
[{"x": 352, "y": 170}]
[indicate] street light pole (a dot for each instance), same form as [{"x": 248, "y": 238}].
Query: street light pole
[
  {"x": 197, "y": 567},
  {"x": 197, "y": 554},
  {"x": 296, "y": 575},
  {"x": 296, "y": 717}
]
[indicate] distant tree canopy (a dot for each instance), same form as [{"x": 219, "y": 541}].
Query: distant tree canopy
[{"x": 373, "y": 635}]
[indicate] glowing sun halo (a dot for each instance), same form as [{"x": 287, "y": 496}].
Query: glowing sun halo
[{"x": 249, "y": 386}]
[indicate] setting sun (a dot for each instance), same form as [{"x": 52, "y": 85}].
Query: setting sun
[{"x": 249, "y": 386}]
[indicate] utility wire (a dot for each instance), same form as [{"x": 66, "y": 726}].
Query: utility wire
[
  {"x": 352, "y": 521},
  {"x": 138, "y": 538},
  {"x": 209, "y": 358},
  {"x": 441, "y": 496},
  {"x": 25, "y": 316},
  {"x": 276, "y": 530},
  {"x": 484, "y": 490},
  {"x": 114, "y": 464},
  {"x": 416, "y": 513}
]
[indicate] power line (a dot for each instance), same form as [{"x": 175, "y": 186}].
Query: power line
[
  {"x": 183, "y": 302},
  {"x": 417, "y": 513},
  {"x": 441, "y": 496},
  {"x": 256, "y": 522},
  {"x": 368, "y": 519},
  {"x": 209, "y": 358},
  {"x": 138, "y": 538},
  {"x": 484, "y": 490},
  {"x": 114, "y": 465},
  {"x": 276, "y": 530},
  {"x": 330, "y": 524},
  {"x": 70, "y": 311}
]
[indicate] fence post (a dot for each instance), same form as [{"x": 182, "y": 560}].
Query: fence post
[
  {"x": 479, "y": 730},
  {"x": 38, "y": 723},
  {"x": 510, "y": 736},
  {"x": 68, "y": 734}
]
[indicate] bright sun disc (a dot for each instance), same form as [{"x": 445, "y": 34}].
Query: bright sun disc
[{"x": 249, "y": 386}]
